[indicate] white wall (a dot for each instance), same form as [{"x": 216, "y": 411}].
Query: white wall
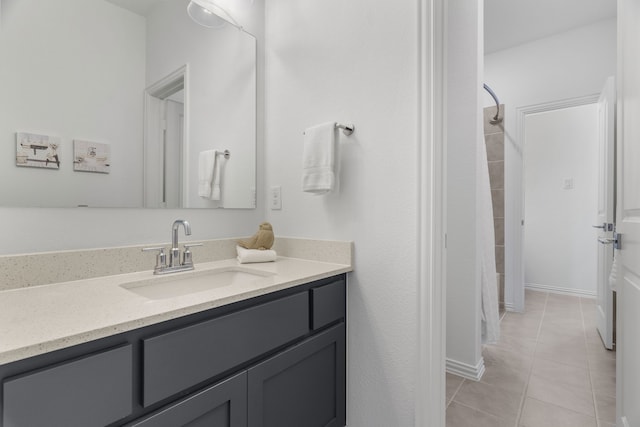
[
  {"x": 569, "y": 65},
  {"x": 464, "y": 132},
  {"x": 64, "y": 76},
  {"x": 354, "y": 62},
  {"x": 560, "y": 246}
]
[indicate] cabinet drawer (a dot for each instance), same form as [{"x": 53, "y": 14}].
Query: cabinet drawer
[
  {"x": 224, "y": 404},
  {"x": 92, "y": 391},
  {"x": 183, "y": 358},
  {"x": 328, "y": 304}
]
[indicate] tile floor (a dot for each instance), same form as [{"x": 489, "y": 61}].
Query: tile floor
[{"x": 549, "y": 369}]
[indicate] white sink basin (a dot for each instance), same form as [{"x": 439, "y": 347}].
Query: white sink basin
[{"x": 178, "y": 284}]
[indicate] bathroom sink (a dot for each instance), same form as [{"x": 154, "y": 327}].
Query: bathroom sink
[{"x": 178, "y": 284}]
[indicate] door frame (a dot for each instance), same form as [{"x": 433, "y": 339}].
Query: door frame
[
  {"x": 430, "y": 396},
  {"x": 154, "y": 117},
  {"x": 514, "y": 217}
]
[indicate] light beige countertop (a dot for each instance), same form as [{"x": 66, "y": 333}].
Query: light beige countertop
[{"x": 39, "y": 319}]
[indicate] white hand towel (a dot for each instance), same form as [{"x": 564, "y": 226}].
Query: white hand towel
[
  {"x": 318, "y": 158},
  {"x": 246, "y": 256},
  {"x": 206, "y": 165},
  {"x": 216, "y": 193},
  {"x": 210, "y": 165}
]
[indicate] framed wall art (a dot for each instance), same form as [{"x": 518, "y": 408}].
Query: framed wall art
[
  {"x": 91, "y": 156},
  {"x": 37, "y": 151}
]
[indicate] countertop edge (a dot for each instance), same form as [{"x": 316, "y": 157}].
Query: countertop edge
[{"x": 60, "y": 342}]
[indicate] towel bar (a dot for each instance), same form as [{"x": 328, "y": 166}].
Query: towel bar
[
  {"x": 346, "y": 129},
  {"x": 226, "y": 154}
]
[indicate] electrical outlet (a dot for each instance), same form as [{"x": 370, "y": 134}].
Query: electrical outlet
[{"x": 276, "y": 198}]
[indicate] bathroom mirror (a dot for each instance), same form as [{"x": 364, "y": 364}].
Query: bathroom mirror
[{"x": 110, "y": 103}]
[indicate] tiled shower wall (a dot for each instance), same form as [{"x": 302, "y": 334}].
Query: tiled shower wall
[{"x": 494, "y": 138}]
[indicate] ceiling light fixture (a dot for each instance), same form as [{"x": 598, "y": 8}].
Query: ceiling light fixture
[{"x": 209, "y": 14}]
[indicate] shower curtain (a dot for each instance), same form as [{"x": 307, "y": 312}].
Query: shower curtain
[{"x": 486, "y": 248}]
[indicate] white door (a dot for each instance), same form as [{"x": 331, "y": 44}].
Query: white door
[
  {"x": 605, "y": 215},
  {"x": 628, "y": 214}
]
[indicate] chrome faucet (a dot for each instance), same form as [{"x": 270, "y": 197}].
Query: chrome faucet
[
  {"x": 174, "y": 255},
  {"x": 175, "y": 262}
]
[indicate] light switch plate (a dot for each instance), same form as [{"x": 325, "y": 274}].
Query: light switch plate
[
  {"x": 276, "y": 198},
  {"x": 567, "y": 184}
]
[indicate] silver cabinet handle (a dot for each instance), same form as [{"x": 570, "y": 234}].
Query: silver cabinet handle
[{"x": 599, "y": 226}]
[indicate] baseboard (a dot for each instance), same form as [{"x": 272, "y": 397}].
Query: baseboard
[
  {"x": 559, "y": 290},
  {"x": 464, "y": 370}
]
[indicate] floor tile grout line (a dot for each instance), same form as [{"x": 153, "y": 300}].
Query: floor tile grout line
[
  {"x": 523, "y": 399},
  {"x": 479, "y": 410},
  {"x": 593, "y": 391},
  {"x": 453, "y": 396},
  {"x": 565, "y": 409}
]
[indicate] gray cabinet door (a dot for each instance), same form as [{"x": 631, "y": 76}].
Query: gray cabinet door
[
  {"x": 302, "y": 386},
  {"x": 221, "y": 405}
]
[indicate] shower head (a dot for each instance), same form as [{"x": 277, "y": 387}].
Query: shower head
[{"x": 496, "y": 119}]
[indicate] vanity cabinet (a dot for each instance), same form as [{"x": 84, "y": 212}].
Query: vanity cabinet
[{"x": 277, "y": 360}]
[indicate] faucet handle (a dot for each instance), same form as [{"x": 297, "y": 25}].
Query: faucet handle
[
  {"x": 161, "y": 258},
  {"x": 191, "y": 245},
  {"x": 187, "y": 259}
]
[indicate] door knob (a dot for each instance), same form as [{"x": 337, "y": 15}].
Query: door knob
[
  {"x": 605, "y": 226},
  {"x": 616, "y": 240}
]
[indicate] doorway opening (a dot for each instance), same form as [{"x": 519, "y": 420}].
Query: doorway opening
[
  {"x": 560, "y": 196},
  {"x": 164, "y": 141}
]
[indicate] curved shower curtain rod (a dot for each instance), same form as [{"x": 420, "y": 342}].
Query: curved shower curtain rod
[{"x": 496, "y": 119}]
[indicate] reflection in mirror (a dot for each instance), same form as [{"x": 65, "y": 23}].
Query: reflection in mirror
[{"x": 93, "y": 71}]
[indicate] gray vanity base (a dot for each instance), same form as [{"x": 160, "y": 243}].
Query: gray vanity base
[{"x": 273, "y": 361}]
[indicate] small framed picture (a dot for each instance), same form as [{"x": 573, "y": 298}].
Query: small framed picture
[
  {"x": 91, "y": 156},
  {"x": 37, "y": 151}
]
